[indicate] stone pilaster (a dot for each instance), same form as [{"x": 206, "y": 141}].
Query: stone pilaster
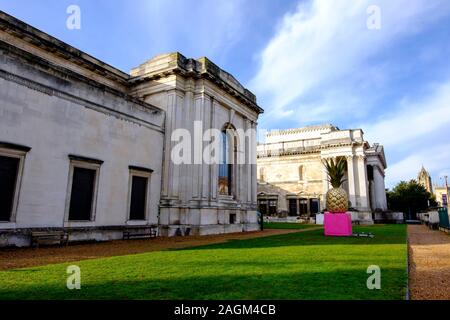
[
  {"x": 325, "y": 186},
  {"x": 362, "y": 183},
  {"x": 379, "y": 190},
  {"x": 351, "y": 180},
  {"x": 253, "y": 164}
]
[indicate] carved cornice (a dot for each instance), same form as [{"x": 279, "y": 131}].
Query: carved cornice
[
  {"x": 63, "y": 73},
  {"x": 203, "y": 68},
  {"x": 360, "y": 157},
  {"x": 300, "y": 130},
  {"x": 295, "y": 151}
]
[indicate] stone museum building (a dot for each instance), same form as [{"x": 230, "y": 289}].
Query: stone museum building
[
  {"x": 442, "y": 192},
  {"x": 292, "y": 179},
  {"x": 85, "y": 148}
]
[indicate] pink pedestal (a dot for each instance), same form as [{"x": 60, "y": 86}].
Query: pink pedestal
[{"x": 338, "y": 224}]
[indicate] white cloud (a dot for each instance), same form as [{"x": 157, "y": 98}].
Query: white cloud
[
  {"x": 413, "y": 120},
  {"x": 436, "y": 160},
  {"x": 325, "y": 46},
  {"x": 324, "y": 65},
  {"x": 418, "y": 130}
]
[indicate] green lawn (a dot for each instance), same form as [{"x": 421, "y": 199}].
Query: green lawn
[
  {"x": 286, "y": 225},
  {"x": 303, "y": 265}
]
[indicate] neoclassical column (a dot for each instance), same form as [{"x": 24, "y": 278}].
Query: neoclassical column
[
  {"x": 248, "y": 164},
  {"x": 362, "y": 183},
  {"x": 372, "y": 194},
  {"x": 325, "y": 185},
  {"x": 351, "y": 180},
  {"x": 253, "y": 164},
  {"x": 380, "y": 192}
]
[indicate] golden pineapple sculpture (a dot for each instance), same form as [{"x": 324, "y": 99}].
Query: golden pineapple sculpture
[{"x": 337, "y": 198}]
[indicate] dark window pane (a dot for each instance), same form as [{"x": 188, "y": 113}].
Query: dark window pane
[
  {"x": 138, "y": 198},
  {"x": 262, "y": 206},
  {"x": 292, "y": 207},
  {"x": 273, "y": 207},
  {"x": 370, "y": 173},
  {"x": 82, "y": 194},
  {"x": 315, "y": 206},
  {"x": 8, "y": 176},
  {"x": 225, "y": 167},
  {"x": 303, "y": 206}
]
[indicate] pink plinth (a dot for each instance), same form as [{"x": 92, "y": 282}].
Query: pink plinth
[{"x": 338, "y": 224}]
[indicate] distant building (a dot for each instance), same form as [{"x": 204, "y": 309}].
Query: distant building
[
  {"x": 441, "y": 193},
  {"x": 292, "y": 179},
  {"x": 424, "y": 179}
]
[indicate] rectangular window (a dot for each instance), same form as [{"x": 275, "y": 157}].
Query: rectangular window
[
  {"x": 9, "y": 168},
  {"x": 303, "y": 206},
  {"x": 262, "y": 206},
  {"x": 232, "y": 218},
  {"x": 138, "y": 198},
  {"x": 370, "y": 173},
  {"x": 292, "y": 207},
  {"x": 82, "y": 194},
  {"x": 12, "y": 159},
  {"x": 273, "y": 207},
  {"x": 315, "y": 206},
  {"x": 138, "y": 193}
]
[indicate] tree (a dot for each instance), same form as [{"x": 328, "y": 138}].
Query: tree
[{"x": 410, "y": 198}]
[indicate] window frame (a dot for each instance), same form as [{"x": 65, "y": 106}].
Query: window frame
[
  {"x": 229, "y": 149},
  {"x": 84, "y": 163},
  {"x": 17, "y": 152},
  {"x": 135, "y": 171},
  {"x": 232, "y": 218}
]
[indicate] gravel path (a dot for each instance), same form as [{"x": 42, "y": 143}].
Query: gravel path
[
  {"x": 13, "y": 258},
  {"x": 429, "y": 266}
]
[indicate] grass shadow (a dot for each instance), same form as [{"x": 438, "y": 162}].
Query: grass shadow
[{"x": 294, "y": 285}]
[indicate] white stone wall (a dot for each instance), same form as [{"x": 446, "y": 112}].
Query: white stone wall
[
  {"x": 55, "y": 128},
  {"x": 190, "y": 197},
  {"x": 55, "y": 118}
]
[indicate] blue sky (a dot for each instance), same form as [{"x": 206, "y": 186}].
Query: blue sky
[{"x": 308, "y": 62}]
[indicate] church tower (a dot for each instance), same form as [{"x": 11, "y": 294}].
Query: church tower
[{"x": 425, "y": 180}]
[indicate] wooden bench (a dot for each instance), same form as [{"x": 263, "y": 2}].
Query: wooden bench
[
  {"x": 49, "y": 237},
  {"x": 140, "y": 232}
]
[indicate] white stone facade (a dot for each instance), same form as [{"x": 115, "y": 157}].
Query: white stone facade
[
  {"x": 62, "y": 111},
  {"x": 197, "y": 90},
  {"x": 292, "y": 176}
]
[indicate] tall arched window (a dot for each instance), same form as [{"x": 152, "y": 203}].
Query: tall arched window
[{"x": 227, "y": 159}]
